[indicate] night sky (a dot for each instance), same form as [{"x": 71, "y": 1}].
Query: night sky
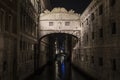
[{"x": 77, "y": 5}]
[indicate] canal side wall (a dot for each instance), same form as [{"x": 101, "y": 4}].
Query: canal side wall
[
  {"x": 8, "y": 37},
  {"x": 99, "y": 55},
  {"x": 18, "y": 36}
]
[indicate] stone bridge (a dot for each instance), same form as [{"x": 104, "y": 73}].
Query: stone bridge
[{"x": 59, "y": 20}]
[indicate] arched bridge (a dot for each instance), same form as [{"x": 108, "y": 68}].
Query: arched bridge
[{"x": 59, "y": 20}]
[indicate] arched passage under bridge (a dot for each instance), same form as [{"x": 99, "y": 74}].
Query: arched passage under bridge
[{"x": 58, "y": 43}]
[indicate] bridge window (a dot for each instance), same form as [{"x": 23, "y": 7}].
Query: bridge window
[
  {"x": 67, "y": 23},
  {"x": 50, "y": 23}
]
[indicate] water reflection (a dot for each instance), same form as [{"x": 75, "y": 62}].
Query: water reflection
[{"x": 62, "y": 70}]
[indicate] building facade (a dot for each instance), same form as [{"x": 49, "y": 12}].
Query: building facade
[
  {"x": 28, "y": 16},
  {"x": 100, "y": 40},
  {"x": 8, "y": 39},
  {"x": 18, "y": 38}
]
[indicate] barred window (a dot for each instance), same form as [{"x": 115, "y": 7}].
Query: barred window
[
  {"x": 67, "y": 23},
  {"x": 10, "y": 22},
  {"x": 92, "y": 59},
  {"x": 113, "y": 62},
  {"x": 113, "y": 25},
  {"x": 101, "y": 32},
  {"x": 2, "y": 20},
  {"x": 87, "y": 21},
  {"x": 50, "y": 23},
  {"x": 100, "y": 61},
  {"x": 93, "y": 35}
]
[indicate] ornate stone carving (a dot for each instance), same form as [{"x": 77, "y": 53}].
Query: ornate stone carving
[{"x": 59, "y": 10}]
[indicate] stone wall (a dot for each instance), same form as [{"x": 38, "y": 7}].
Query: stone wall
[
  {"x": 8, "y": 37},
  {"x": 100, "y": 38}
]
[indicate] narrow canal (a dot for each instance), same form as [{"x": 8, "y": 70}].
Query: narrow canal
[{"x": 60, "y": 71}]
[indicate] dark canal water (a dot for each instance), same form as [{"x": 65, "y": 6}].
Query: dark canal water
[{"x": 60, "y": 71}]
